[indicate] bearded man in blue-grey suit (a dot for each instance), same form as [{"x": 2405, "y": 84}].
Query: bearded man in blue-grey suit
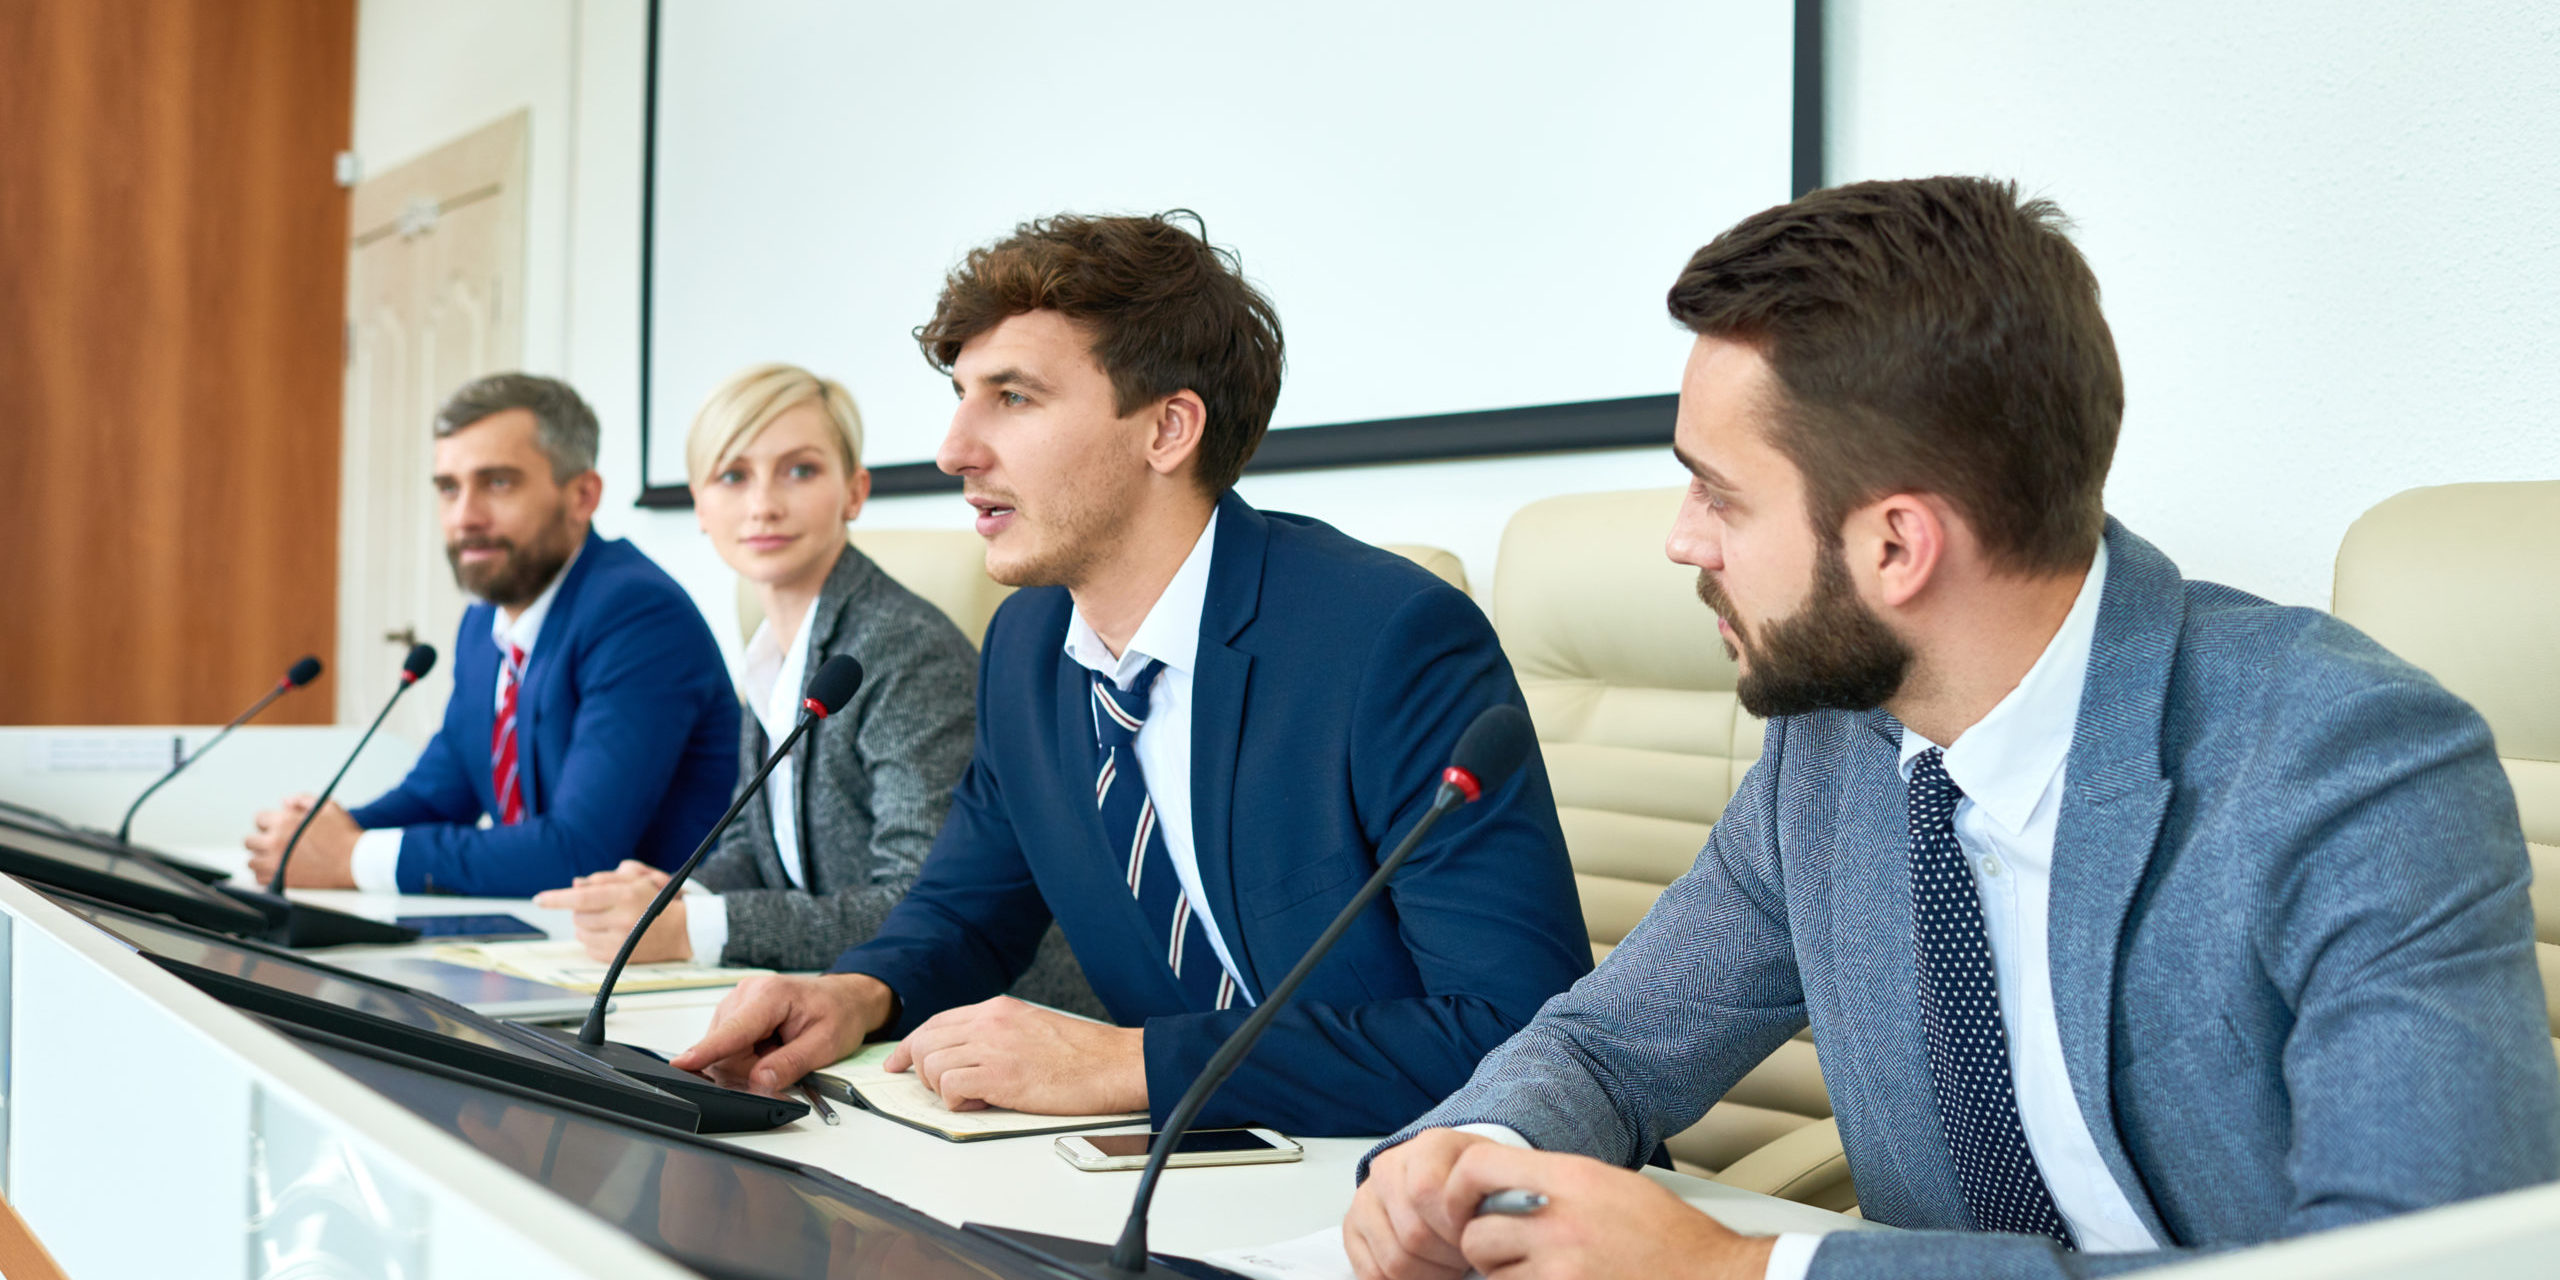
[{"x": 2134, "y": 917}]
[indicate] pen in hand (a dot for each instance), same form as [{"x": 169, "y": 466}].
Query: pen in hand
[{"x": 1513, "y": 1203}]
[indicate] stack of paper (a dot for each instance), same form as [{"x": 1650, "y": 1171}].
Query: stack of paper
[
  {"x": 904, "y": 1098},
  {"x": 565, "y": 964}
]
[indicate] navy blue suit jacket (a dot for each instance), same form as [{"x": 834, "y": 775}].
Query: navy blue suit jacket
[
  {"x": 626, "y": 740},
  {"x": 1333, "y": 680}
]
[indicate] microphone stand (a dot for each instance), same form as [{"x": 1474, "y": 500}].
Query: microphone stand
[
  {"x": 275, "y": 883},
  {"x": 124, "y": 829},
  {"x": 1129, "y": 1256},
  {"x": 591, "y": 1033}
]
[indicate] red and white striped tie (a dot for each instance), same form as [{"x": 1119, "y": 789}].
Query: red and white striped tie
[{"x": 502, "y": 741}]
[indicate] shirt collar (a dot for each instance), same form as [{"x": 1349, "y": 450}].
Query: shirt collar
[
  {"x": 1171, "y": 632},
  {"x": 765, "y": 664},
  {"x": 528, "y": 624},
  {"x": 2009, "y": 758}
]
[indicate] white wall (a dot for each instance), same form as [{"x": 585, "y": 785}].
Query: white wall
[
  {"x": 2330, "y": 244},
  {"x": 2328, "y": 236}
]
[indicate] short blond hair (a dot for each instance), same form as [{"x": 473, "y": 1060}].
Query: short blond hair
[{"x": 739, "y": 410}]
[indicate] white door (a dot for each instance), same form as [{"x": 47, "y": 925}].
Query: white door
[{"x": 434, "y": 298}]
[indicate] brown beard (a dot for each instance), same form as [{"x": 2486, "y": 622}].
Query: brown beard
[
  {"x": 517, "y": 579},
  {"x": 1833, "y": 654}
]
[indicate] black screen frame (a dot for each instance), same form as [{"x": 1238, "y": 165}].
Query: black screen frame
[
  {"x": 539, "y": 1066},
  {"x": 179, "y": 895},
  {"x": 997, "y": 1260}
]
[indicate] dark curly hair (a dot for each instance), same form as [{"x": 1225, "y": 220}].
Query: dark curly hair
[
  {"x": 1166, "y": 309},
  {"x": 1934, "y": 335}
]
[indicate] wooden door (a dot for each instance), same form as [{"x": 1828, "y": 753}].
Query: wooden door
[
  {"x": 434, "y": 277},
  {"x": 171, "y": 276}
]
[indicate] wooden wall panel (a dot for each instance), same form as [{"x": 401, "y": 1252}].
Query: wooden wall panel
[{"x": 172, "y": 266}]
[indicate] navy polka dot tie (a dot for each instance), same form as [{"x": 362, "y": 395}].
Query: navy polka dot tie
[
  {"x": 1960, "y": 1010},
  {"x": 1129, "y": 821}
]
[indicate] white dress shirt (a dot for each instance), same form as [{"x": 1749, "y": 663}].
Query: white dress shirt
[
  {"x": 375, "y": 863},
  {"x": 2010, "y": 766},
  {"x": 1170, "y": 634},
  {"x": 773, "y": 679}
]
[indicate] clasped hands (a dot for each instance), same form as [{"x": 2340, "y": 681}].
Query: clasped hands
[
  {"x": 605, "y": 905},
  {"x": 324, "y": 860},
  {"x": 1414, "y": 1218},
  {"x": 770, "y": 1031}
]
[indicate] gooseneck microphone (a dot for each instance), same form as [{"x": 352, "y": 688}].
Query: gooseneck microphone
[
  {"x": 302, "y": 673},
  {"x": 1494, "y": 746},
  {"x": 824, "y": 695},
  {"x": 421, "y": 660}
]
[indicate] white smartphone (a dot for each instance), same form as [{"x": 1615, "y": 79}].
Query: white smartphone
[{"x": 1101, "y": 1152}]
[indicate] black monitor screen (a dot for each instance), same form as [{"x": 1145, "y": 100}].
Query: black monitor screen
[
  {"x": 720, "y": 1213},
  {"x": 306, "y": 981},
  {"x": 121, "y": 866}
]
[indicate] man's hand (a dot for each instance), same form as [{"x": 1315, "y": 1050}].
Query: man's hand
[
  {"x": 1599, "y": 1220},
  {"x": 1004, "y": 1053},
  {"x": 324, "y": 860},
  {"x": 605, "y": 905},
  {"x": 1398, "y": 1227},
  {"x": 773, "y": 1029}
]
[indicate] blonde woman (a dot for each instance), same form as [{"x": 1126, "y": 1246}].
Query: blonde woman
[{"x": 775, "y": 464}]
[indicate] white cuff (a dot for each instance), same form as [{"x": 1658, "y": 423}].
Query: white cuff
[
  {"x": 1502, "y": 1133},
  {"x": 706, "y": 924},
  {"x": 1792, "y": 1255},
  {"x": 375, "y": 864}
]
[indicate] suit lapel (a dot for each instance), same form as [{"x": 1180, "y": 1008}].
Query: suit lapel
[
  {"x": 2112, "y": 805},
  {"x": 1219, "y": 678},
  {"x": 846, "y": 581},
  {"x": 542, "y": 666},
  {"x": 1877, "y": 972}
]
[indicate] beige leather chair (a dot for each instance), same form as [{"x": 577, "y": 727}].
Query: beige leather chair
[
  {"x": 945, "y": 566},
  {"x": 949, "y": 568},
  {"x": 1633, "y": 699},
  {"x": 2462, "y": 581}
]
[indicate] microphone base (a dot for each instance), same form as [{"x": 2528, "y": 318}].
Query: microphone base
[
  {"x": 1086, "y": 1258},
  {"x": 301, "y": 925},
  {"x": 723, "y": 1110}
]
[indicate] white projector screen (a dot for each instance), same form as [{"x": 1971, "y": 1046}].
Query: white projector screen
[{"x": 1454, "y": 206}]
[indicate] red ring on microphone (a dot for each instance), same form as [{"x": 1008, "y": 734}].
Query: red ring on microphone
[
  {"x": 814, "y": 707},
  {"x": 1464, "y": 781}
]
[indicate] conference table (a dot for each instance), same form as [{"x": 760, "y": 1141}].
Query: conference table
[{"x": 1021, "y": 1182}]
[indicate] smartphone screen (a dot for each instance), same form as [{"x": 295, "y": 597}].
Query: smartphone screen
[
  {"x": 489, "y": 926},
  {"x": 1121, "y": 1146}
]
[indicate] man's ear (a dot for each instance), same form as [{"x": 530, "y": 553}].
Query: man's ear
[
  {"x": 1175, "y": 430},
  {"x": 586, "y": 493},
  {"x": 1899, "y": 542}
]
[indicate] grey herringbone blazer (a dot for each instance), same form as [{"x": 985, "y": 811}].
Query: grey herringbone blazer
[
  {"x": 2293, "y": 957},
  {"x": 874, "y": 782}
]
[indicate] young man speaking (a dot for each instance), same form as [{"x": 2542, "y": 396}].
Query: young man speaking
[
  {"x": 1199, "y": 731},
  {"x": 2132, "y": 915}
]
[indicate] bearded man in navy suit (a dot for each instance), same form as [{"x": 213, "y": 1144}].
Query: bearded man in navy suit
[{"x": 1200, "y": 727}]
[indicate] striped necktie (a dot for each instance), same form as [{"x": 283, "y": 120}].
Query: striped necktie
[
  {"x": 1129, "y": 824},
  {"x": 503, "y": 779},
  {"x": 1960, "y": 1010}
]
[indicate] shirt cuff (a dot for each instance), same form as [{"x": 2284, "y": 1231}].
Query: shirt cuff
[
  {"x": 1502, "y": 1133},
  {"x": 375, "y": 864},
  {"x": 706, "y": 925},
  {"x": 1792, "y": 1255}
]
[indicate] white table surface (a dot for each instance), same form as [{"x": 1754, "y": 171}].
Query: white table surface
[{"x": 1021, "y": 1182}]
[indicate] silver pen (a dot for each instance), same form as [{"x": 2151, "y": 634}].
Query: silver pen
[
  {"x": 818, "y": 1104},
  {"x": 1513, "y": 1203}
]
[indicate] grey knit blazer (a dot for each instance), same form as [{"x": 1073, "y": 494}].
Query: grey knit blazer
[{"x": 874, "y": 783}]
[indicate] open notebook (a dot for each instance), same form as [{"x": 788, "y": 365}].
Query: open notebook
[
  {"x": 565, "y": 964},
  {"x": 904, "y": 1098}
]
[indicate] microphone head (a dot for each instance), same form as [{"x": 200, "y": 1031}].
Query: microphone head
[
  {"x": 303, "y": 672},
  {"x": 1491, "y": 750},
  {"x": 833, "y": 686},
  {"x": 421, "y": 660}
]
